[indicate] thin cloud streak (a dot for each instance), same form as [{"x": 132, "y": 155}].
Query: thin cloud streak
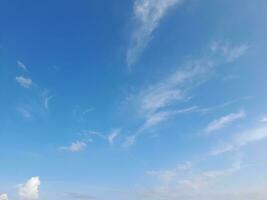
[
  {"x": 248, "y": 137},
  {"x": 224, "y": 121},
  {"x": 110, "y": 138},
  {"x": 147, "y": 16},
  {"x": 22, "y": 65}
]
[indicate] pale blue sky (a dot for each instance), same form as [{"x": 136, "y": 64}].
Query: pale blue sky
[{"x": 135, "y": 100}]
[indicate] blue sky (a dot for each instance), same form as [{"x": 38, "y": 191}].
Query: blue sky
[{"x": 136, "y": 100}]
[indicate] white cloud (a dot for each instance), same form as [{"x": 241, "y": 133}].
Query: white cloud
[
  {"x": 187, "y": 183},
  {"x": 248, "y": 137},
  {"x": 113, "y": 135},
  {"x": 157, "y": 117},
  {"x": 154, "y": 103},
  {"x": 30, "y": 190},
  {"x": 147, "y": 14},
  {"x": 24, "y": 82},
  {"x": 75, "y": 146},
  {"x": 167, "y": 176},
  {"x": 46, "y": 98},
  {"x": 224, "y": 121},
  {"x": 264, "y": 120},
  {"x": 21, "y": 65},
  {"x": 3, "y": 197},
  {"x": 110, "y": 138},
  {"x": 230, "y": 52},
  {"x": 253, "y": 135},
  {"x": 129, "y": 141}
]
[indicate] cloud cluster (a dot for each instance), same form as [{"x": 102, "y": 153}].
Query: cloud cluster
[
  {"x": 154, "y": 101},
  {"x": 186, "y": 183}
]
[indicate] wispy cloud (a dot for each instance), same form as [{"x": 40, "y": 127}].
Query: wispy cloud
[
  {"x": 230, "y": 52},
  {"x": 46, "y": 98},
  {"x": 30, "y": 190},
  {"x": 154, "y": 102},
  {"x": 224, "y": 121},
  {"x": 250, "y": 136},
  {"x": 167, "y": 176},
  {"x": 25, "y": 113},
  {"x": 24, "y": 82},
  {"x": 75, "y": 146},
  {"x": 147, "y": 16},
  {"x": 113, "y": 135},
  {"x": 81, "y": 114},
  {"x": 22, "y": 65},
  {"x": 153, "y": 120},
  {"x": 110, "y": 138},
  {"x": 188, "y": 183}
]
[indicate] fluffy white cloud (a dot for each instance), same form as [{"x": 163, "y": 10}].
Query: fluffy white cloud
[
  {"x": 24, "y": 82},
  {"x": 224, "y": 121},
  {"x": 147, "y": 14},
  {"x": 3, "y": 197},
  {"x": 75, "y": 146},
  {"x": 30, "y": 190}
]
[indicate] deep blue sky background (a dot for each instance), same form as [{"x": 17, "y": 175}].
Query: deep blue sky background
[{"x": 83, "y": 91}]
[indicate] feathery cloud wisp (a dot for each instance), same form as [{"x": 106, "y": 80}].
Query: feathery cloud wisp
[
  {"x": 24, "y": 82},
  {"x": 113, "y": 135},
  {"x": 46, "y": 98},
  {"x": 153, "y": 102},
  {"x": 110, "y": 138},
  {"x": 30, "y": 190},
  {"x": 248, "y": 137},
  {"x": 147, "y": 14},
  {"x": 75, "y": 146},
  {"x": 21, "y": 65},
  {"x": 230, "y": 52},
  {"x": 224, "y": 121}
]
